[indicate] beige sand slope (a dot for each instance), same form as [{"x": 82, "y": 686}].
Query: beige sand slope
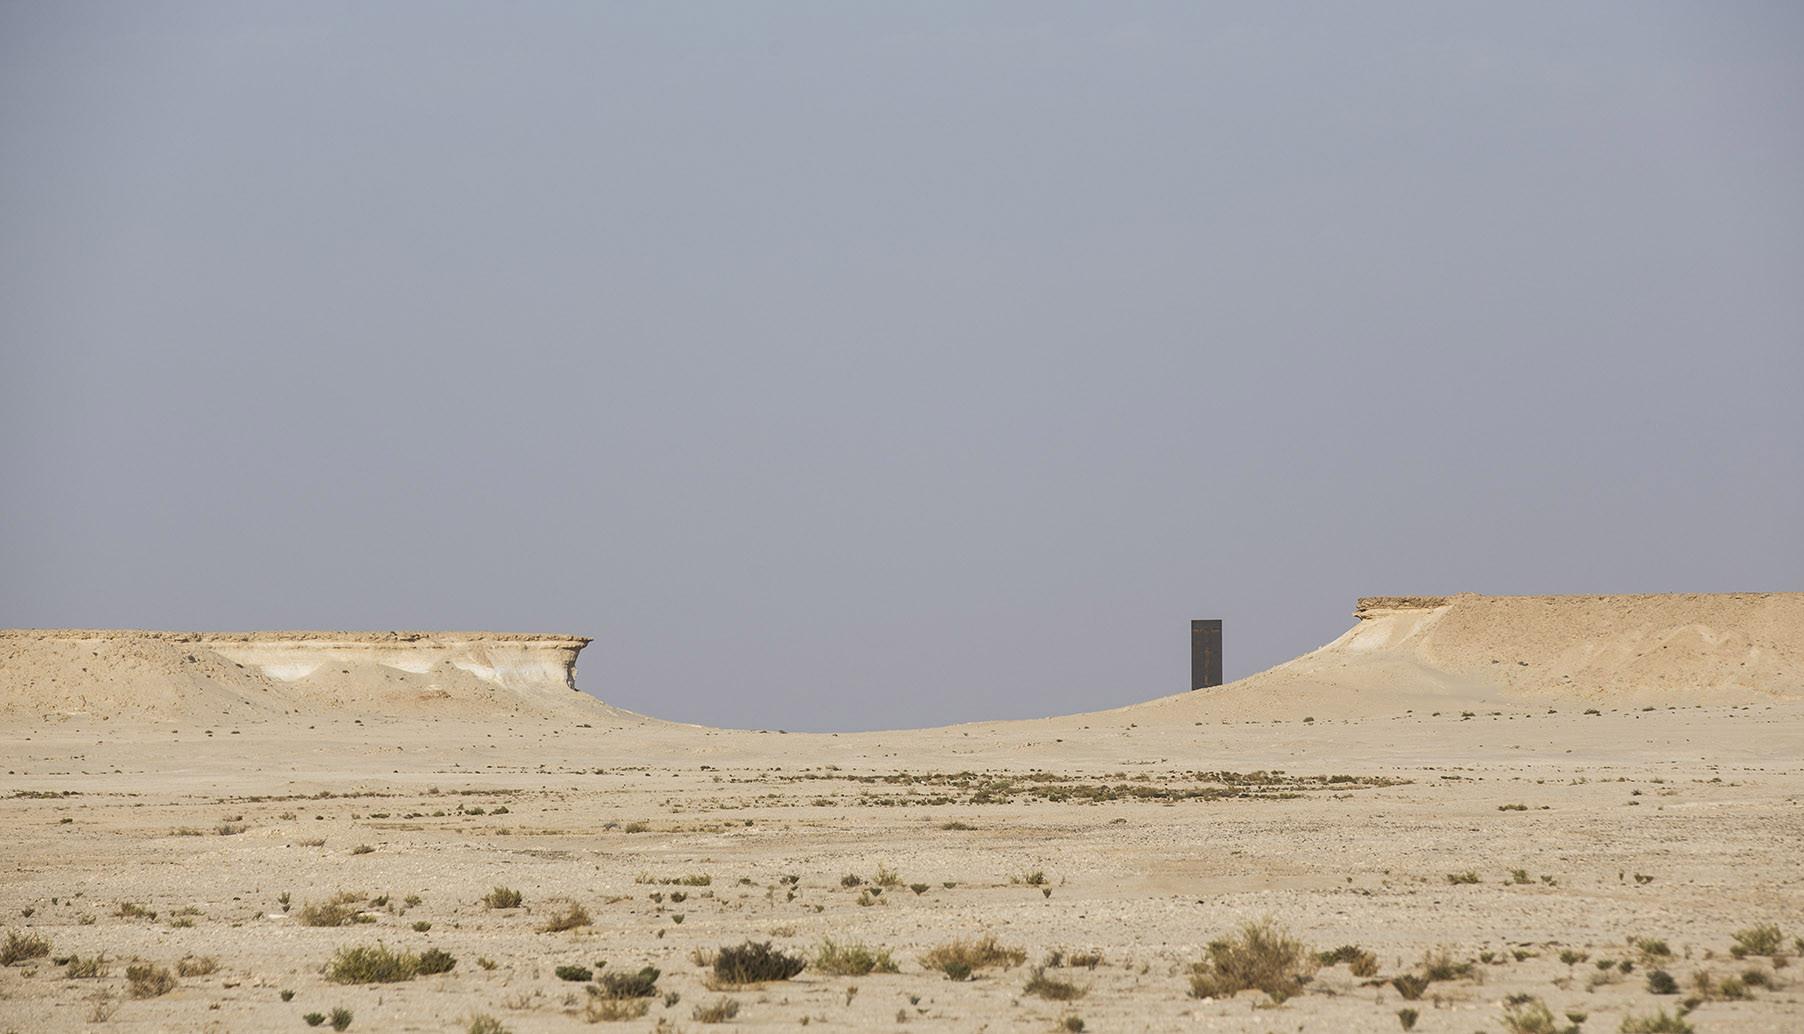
[
  {"x": 1408, "y": 651},
  {"x": 68, "y": 672},
  {"x": 1403, "y": 653}
]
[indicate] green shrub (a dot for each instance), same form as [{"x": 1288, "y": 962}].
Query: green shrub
[
  {"x": 1261, "y": 957},
  {"x": 341, "y": 1018},
  {"x": 1660, "y": 982},
  {"x": 1410, "y": 986},
  {"x": 852, "y": 960},
  {"x": 1757, "y": 940},
  {"x": 485, "y": 1024},
  {"x": 574, "y": 974},
  {"x": 144, "y": 980},
  {"x": 1440, "y": 964},
  {"x": 570, "y": 917},
  {"x": 959, "y": 959},
  {"x": 1407, "y": 1018},
  {"x": 341, "y": 909},
  {"x": 755, "y": 963},
  {"x": 1360, "y": 962},
  {"x": 1052, "y": 989},
  {"x": 502, "y": 897},
  {"x": 314, "y": 1019},
  {"x": 1530, "y": 1017},
  {"x": 718, "y": 1011},
  {"x": 432, "y": 961},
  {"x": 1658, "y": 1023},
  {"x": 371, "y": 964},
  {"x": 22, "y": 945},
  {"x": 643, "y": 984},
  {"x": 607, "y": 1010}
]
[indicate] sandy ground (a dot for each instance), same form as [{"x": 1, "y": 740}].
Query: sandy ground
[{"x": 1682, "y": 824}]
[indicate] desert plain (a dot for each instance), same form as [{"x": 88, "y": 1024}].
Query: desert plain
[{"x": 1468, "y": 814}]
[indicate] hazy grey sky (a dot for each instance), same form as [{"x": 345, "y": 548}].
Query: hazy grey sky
[{"x": 844, "y": 366}]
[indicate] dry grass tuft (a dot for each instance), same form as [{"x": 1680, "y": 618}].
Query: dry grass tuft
[
  {"x": 1262, "y": 956},
  {"x": 1051, "y": 988},
  {"x": 852, "y": 960},
  {"x": 371, "y": 964},
  {"x": 959, "y": 959},
  {"x": 144, "y": 980},
  {"x": 341, "y": 909},
  {"x": 570, "y": 917},
  {"x": 22, "y": 945}
]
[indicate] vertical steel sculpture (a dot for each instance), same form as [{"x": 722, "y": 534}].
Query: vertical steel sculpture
[{"x": 1205, "y": 653}]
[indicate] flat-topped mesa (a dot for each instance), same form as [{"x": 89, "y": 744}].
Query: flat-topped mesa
[
  {"x": 1367, "y": 605},
  {"x": 89, "y": 670}
]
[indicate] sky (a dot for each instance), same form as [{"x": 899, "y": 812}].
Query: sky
[{"x": 844, "y": 366}]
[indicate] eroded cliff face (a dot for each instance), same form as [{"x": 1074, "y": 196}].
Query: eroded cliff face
[{"x": 106, "y": 671}]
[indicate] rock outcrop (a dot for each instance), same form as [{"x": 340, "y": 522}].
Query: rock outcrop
[{"x": 102, "y": 672}]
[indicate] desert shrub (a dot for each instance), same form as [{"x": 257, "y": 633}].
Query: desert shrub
[
  {"x": 371, "y": 964},
  {"x": 1458, "y": 878},
  {"x": 21, "y": 945},
  {"x": 851, "y": 960},
  {"x": 1361, "y": 962},
  {"x": 341, "y": 1018},
  {"x": 1410, "y": 986},
  {"x": 313, "y": 1019},
  {"x": 1073, "y": 1024},
  {"x": 1440, "y": 964},
  {"x": 433, "y": 960},
  {"x": 1658, "y": 1023},
  {"x": 144, "y": 980},
  {"x": 1756, "y": 977},
  {"x": 718, "y": 1011},
  {"x": 608, "y": 1010},
  {"x": 1261, "y": 957},
  {"x": 90, "y": 968},
  {"x": 482, "y": 1023},
  {"x": 755, "y": 962},
  {"x": 1406, "y": 1018},
  {"x": 1757, "y": 940},
  {"x": 502, "y": 897},
  {"x": 571, "y": 916},
  {"x": 642, "y": 984},
  {"x": 133, "y": 910},
  {"x": 959, "y": 959},
  {"x": 1051, "y": 988},
  {"x": 341, "y": 909},
  {"x": 1660, "y": 982},
  {"x": 197, "y": 965},
  {"x": 1651, "y": 949},
  {"x": 574, "y": 974},
  {"x": 1530, "y": 1017},
  {"x": 1709, "y": 988}
]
